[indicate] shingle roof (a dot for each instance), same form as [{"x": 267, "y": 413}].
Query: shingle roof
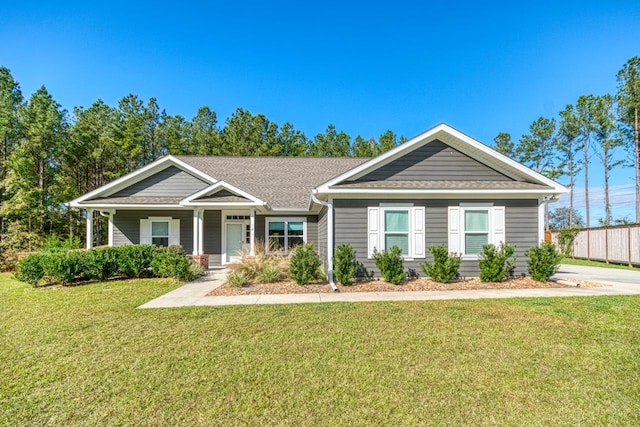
[
  {"x": 283, "y": 182},
  {"x": 136, "y": 200},
  {"x": 444, "y": 185}
]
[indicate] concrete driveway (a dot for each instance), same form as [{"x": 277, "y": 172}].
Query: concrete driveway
[{"x": 625, "y": 280}]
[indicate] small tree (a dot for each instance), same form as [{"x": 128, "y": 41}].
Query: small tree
[
  {"x": 304, "y": 265},
  {"x": 391, "y": 264},
  {"x": 543, "y": 262},
  {"x": 445, "y": 265},
  {"x": 494, "y": 262},
  {"x": 344, "y": 264}
]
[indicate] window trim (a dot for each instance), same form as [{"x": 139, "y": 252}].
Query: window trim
[
  {"x": 493, "y": 235},
  {"x": 160, "y": 221},
  {"x": 285, "y": 220},
  {"x": 416, "y": 232},
  {"x": 173, "y": 228}
]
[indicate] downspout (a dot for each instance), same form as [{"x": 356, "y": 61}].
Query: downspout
[{"x": 329, "y": 206}]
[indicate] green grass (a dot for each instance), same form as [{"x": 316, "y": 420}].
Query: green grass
[
  {"x": 86, "y": 356},
  {"x": 575, "y": 261}
]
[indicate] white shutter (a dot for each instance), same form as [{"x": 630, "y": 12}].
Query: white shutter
[
  {"x": 373, "y": 229},
  {"x": 418, "y": 232},
  {"x": 174, "y": 232},
  {"x": 499, "y": 233},
  {"x": 454, "y": 229},
  {"x": 145, "y": 232}
]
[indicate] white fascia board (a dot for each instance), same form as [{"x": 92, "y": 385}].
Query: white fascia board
[
  {"x": 222, "y": 185},
  {"x": 138, "y": 175}
]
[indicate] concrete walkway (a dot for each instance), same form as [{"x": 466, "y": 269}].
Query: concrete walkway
[{"x": 622, "y": 282}]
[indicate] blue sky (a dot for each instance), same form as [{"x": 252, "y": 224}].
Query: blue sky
[{"x": 365, "y": 67}]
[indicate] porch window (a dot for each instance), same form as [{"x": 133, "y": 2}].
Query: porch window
[
  {"x": 160, "y": 231},
  {"x": 283, "y": 234}
]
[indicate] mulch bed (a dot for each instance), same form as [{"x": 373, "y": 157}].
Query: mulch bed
[{"x": 421, "y": 284}]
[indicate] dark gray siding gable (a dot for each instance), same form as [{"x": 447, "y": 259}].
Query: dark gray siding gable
[
  {"x": 435, "y": 161},
  {"x": 171, "y": 181},
  {"x": 521, "y": 225}
]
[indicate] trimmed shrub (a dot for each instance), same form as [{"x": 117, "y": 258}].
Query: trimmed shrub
[
  {"x": 135, "y": 260},
  {"x": 29, "y": 269},
  {"x": 172, "y": 262},
  {"x": 304, "y": 264},
  {"x": 445, "y": 265},
  {"x": 100, "y": 263},
  {"x": 543, "y": 261},
  {"x": 344, "y": 264},
  {"x": 494, "y": 262},
  {"x": 237, "y": 279},
  {"x": 61, "y": 267},
  {"x": 270, "y": 274},
  {"x": 391, "y": 264}
]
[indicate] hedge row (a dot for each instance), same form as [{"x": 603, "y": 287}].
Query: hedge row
[{"x": 131, "y": 261}]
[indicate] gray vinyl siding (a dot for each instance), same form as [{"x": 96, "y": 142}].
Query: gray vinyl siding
[
  {"x": 171, "y": 181},
  {"x": 212, "y": 235},
  {"x": 521, "y": 226},
  {"x": 435, "y": 161},
  {"x": 322, "y": 235},
  {"x": 126, "y": 226},
  {"x": 312, "y": 227}
]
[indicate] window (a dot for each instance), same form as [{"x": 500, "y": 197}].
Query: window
[
  {"x": 473, "y": 225},
  {"x": 160, "y": 233},
  {"x": 396, "y": 229},
  {"x": 283, "y": 234},
  {"x": 399, "y": 225},
  {"x": 476, "y": 230}
]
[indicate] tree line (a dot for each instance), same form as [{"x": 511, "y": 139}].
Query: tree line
[
  {"x": 50, "y": 156},
  {"x": 594, "y": 127}
]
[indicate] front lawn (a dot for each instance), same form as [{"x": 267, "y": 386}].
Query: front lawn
[{"x": 86, "y": 356}]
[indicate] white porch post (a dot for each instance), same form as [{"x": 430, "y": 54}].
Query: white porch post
[
  {"x": 110, "y": 230},
  {"x": 252, "y": 233},
  {"x": 200, "y": 231},
  {"x": 89, "y": 228},
  {"x": 196, "y": 231}
]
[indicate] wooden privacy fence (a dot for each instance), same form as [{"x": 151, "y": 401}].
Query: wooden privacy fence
[{"x": 619, "y": 244}]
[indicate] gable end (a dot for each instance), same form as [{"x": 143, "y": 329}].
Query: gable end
[
  {"x": 169, "y": 182},
  {"x": 435, "y": 161}
]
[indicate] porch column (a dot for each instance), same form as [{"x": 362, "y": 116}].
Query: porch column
[
  {"x": 89, "y": 228},
  {"x": 110, "y": 231},
  {"x": 252, "y": 233},
  {"x": 200, "y": 231},
  {"x": 196, "y": 231}
]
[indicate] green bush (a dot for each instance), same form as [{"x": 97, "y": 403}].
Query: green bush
[
  {"x": 543, "y": 261},
  {"x": 494, "y": 262},
  {"x": 61, "y": 266},
  {"x": 391, "y": 264},
  {"x": 135, "y": 260},
  {"x": 445, "y": 265},
  {"x": 172, "y": 262},
  {"x": 100, "y": 263},
  {"x": 566, "y": 238},
  {"x": 29, "y": 269},
  {"x": 344, "y": 264},
  {"x": 270, "y": 274},
  {"x": 54, "y": 243},
  {"x": 237, "y": 279},
  {"x": 304, "y": 264}
]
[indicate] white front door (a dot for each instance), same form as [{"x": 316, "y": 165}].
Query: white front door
[{"x": 235, "y": 239}]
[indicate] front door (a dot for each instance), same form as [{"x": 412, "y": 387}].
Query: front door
[{"x": 235, "y": 239}]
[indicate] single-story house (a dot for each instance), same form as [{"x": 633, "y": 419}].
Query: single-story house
[{"x": 441, "y": 186}]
